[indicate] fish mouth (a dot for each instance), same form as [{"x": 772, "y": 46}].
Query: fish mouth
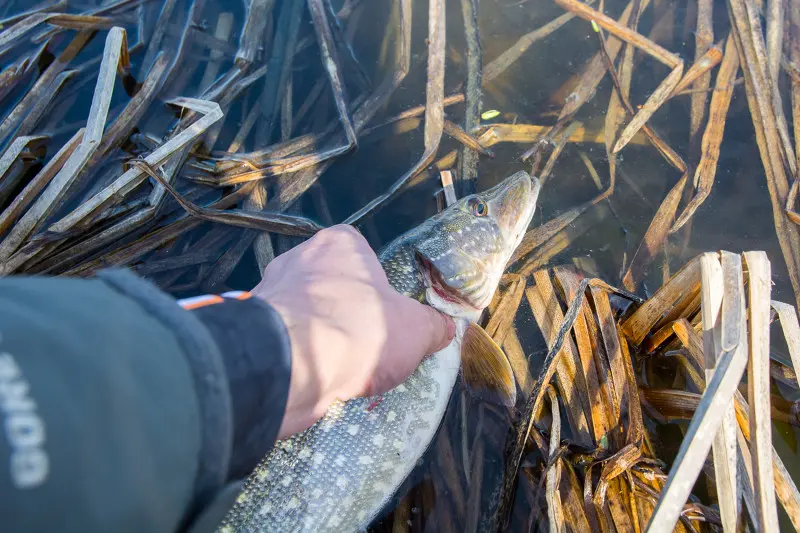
[{"x": 435, "y": 281}]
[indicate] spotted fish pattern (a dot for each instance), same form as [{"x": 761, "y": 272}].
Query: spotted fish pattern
[{"x": 338, "y": 474}]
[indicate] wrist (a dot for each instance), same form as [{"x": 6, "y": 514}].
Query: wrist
[
  {"x": 256, "y": 353},
  {"x": 310, "y": 385}
]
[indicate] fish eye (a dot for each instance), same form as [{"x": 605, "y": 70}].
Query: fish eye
[{"x": 479, "y": 207}]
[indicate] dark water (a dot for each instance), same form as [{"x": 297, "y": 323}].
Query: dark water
[{"x": 736, "y": 217}]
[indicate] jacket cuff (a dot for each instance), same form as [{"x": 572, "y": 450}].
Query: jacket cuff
[{"x": 256, "y": 353}]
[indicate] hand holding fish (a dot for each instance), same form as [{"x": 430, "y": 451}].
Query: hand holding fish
[{"x": 349, "y": 329}]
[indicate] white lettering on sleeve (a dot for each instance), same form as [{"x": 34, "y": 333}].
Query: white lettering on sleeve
[{"x": 23, "y": 427}]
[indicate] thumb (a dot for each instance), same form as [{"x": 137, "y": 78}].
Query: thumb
[{"x": 432, "y": 330}]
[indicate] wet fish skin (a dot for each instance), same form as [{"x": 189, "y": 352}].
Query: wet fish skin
[{"x": 338, "y": 474}]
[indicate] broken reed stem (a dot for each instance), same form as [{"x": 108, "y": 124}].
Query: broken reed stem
[
  {"x": 83, "y": 23},
  {"x": 10, "y": 180},
  {"x": 154, "y": 44},
  {"x": 560, "y": 144},
  {"x": 721, "y": 292},
  {"x": 467, "y": 140},
  {"x": 31, "y": 191},
  {"x": 554, "y": 509},
  {"x": 252, "y": 34},
  {"x": 794, "y": 51},
  {"x": 448, "y": 188},
  {"x": 700, "y": 68}
]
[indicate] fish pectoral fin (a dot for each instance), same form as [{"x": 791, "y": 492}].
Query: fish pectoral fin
[{"x": 485, "y": 368}]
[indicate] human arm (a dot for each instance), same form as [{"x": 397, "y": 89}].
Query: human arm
[
  {"x": 149, "y": 409},
  {"x": 118, "y": 406}
]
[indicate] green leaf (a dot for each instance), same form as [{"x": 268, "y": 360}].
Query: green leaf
[{"x": 488, "y": 115}]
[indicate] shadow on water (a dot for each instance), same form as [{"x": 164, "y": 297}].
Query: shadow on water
[{"x": 456, "y": 486}]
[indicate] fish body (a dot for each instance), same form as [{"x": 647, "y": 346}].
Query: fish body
[{"x": 338, "y": 474}]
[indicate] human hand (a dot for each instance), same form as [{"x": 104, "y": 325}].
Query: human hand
[{"x": 351, "y": 333}]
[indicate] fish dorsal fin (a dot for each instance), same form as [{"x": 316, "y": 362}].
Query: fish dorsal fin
[{"x": 485, "y": 368}]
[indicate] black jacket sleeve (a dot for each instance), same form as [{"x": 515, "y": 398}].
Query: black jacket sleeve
[{"x": 121, "y": 410}]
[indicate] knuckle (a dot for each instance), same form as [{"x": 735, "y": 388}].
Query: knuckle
[
  {"x": 349, "y": 232},
  {"x": 342, "y": 229},
  {"x": 339, "y": 234}
]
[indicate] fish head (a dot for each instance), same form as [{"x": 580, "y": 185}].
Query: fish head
[{"x": 463, "y": 250}]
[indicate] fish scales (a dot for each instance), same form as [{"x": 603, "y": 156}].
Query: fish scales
[{"x": 338, "y": 474}]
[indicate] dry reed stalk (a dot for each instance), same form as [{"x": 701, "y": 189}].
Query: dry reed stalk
[
  {"x": 555, "y": 511},
  {"x": 602, "y": 417},
  {"x": 9, "y": 36},
  {"x": 115, "y": 57},
  {"x": 434, "y": 108},
  {"x": 448, "y": 188},
  {"x": 24, "y": 199},
  {"x": 502, "y": 316},
  {"x": 518, "y": 361},
  {"x": 252, "y": 34},
  {"x": 524, "y": 133},
  {"x": 468, "y": 163},
  {"x": 703, "y": 39},
  {"x": 662, "y": 92},
  {"x": 712, "y": 137},
  {"x": 730, "y": 366},
  {"x": 769, "y": 126},
  {"x": 721, "y": 280},
  {"x": 547, "y": 312},
  {"x": 616, "y": 109},
  {"x": 758, "y": 388},
  {"x": 701, "y": 68},
  {"x": 9, "y": 159},
  {"x": 654, "y": 237},
  {"x": 774, "y": 42}
]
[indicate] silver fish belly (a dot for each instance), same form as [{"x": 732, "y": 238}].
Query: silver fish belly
[{"x": 338, "y": 474}]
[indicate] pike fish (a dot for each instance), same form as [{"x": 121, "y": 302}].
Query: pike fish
[{"x": 340, "y": 473}]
